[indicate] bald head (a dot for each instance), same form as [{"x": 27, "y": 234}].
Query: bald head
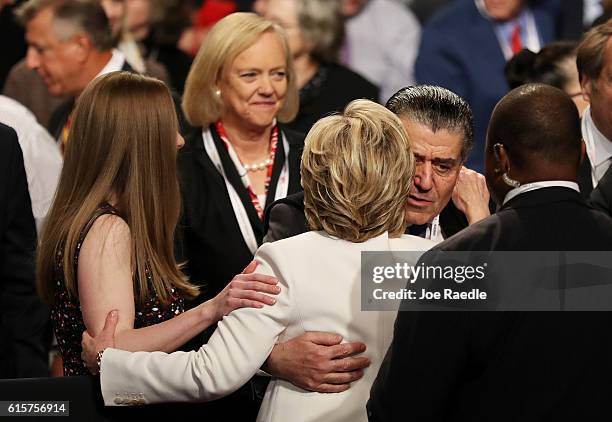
[{"x": 538, "y": 126}]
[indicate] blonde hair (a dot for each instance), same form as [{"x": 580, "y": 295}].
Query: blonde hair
[
  {"x": 357, "y": 170},
  {"x": 122, "y": 142},
  {"x": 227, "y": 39}
]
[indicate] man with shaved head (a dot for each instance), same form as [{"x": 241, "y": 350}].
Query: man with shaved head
[{"x": 494, "y": 366}]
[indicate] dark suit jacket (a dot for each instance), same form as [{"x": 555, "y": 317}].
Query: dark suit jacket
[
  {"x": 329, "y": 91},
  {"x": 24, "y": 321},
  {"x": 601, "y": 197},
  {"x": 460, "y": 51},
  {"x": 209, "y": 237},
  {"x": 505, "y": 366},
  {"x": 285, "y": 218}
]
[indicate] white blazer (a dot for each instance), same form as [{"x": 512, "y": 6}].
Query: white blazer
[{"x": 320, "y": 285}]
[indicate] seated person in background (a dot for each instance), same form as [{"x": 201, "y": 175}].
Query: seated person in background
[
  {"x": 108, "y": 241},
  {"x": 554, "y": 65},
  {"x": 315, "y": 30},
  {"x": 357, "y": 170},
  {"x": 439, "y": 126}
]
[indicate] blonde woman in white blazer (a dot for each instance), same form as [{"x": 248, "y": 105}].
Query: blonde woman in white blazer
[{"x": 357, "y": 169}]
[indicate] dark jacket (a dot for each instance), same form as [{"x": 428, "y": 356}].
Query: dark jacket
[
  {"x": 24, "y": 320},
  {"x": 209, "y": 237},
  {"x": 285, "y": 218},
  {"x": 329, "y": 91},
  {"x": 505, "y": 366}
]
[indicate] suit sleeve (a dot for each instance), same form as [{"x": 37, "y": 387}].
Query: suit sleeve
[
  {"x": 24, "y": 321},
  {"x": 284, "y": 221},
  {"x": 234, "y": 353},
  {"x": 422, "y": 367}
]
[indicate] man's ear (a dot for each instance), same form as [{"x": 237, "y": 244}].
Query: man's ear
[
  {"x": 82, "y": 47},
  {"x": 586, "y": 85},
  {"x": 501, "y": 158}
]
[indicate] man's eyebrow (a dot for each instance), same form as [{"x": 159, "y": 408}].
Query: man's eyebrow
[{"x": 448, "y": 161}]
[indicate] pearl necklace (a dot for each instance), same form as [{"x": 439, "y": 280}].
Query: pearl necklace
[{"x": 262, "y": 165}]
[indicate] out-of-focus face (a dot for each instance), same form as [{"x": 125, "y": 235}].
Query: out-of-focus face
[
  {"x": 352, "y": 7},
  {"x": 138, "y": 17},
  {"x": 599, "y": 94},
  {"x": 180, "y": 142},
  {"x": 285, "y": 13},
  {"x": 114, "y": 9},
  {"x": 254, "y": 86},
  {"x": 572, "y": 87},
  {"x": 56, "y": 61},
  {"x": 503, "y": 10},
  {"x": 260, "y": 7},
  {"x": 438, "y": 162}
]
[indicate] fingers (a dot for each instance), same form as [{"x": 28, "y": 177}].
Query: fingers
[
  {"x": 349, "y": 364},
  {"x": 250, "y": 268},
  {"x": 338, "y": 378},
  {"x": 268, "y": 279},
  {"x": 331, "y": 388},
  {"x": 345, "y": 350},
  {"x": 247, "y": 298},
  {"x": 108, "y": 332},
  {"x": 237, "y": 287},
  {"x": 320, "y": 338}
]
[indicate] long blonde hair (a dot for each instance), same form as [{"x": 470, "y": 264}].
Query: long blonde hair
[{"x": 122, "y": 142}]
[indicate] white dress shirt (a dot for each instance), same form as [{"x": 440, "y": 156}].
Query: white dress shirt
[
  {"x": 115, "y": 63},
  {"x": 381, "y": 44},
  {"x": 598, "y": 147},
  {"x": 528, "y": 187},
  {"x": 320, "y": 280},
  {"x": 41, "y": 156}
]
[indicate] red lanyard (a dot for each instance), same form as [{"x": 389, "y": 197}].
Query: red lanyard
[{"x": 273, "y": 142}]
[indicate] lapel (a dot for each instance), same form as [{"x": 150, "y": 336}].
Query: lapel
[
  {"x": 234, "y": 178},
  {"x": 544, "y": 25},
  {"x": 127, "y": 68},
  {"x": 452, "y": 220},
  {"x": 296, "y": 147},
  {"x": 585, "y": 181},
  {"x": 482, "y": 34},
  {"x": 277, "y": 166}
]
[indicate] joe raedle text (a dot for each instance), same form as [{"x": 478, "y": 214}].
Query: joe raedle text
[{"x": 424, "y": 294}]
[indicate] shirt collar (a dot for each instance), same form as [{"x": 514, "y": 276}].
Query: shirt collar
[
  {"x": 599, "y": 148},
  {"x": 528, "y": 187},
  {"x": 115, "y": 63}
]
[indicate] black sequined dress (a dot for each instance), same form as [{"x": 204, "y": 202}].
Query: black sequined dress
[{"x": 66, "y": 314}]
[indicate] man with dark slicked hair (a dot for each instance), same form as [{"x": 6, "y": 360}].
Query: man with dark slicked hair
[
  {"x": 509, "y": 366},
  {"x": 439, "y": 126}
]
